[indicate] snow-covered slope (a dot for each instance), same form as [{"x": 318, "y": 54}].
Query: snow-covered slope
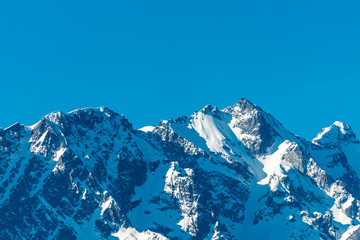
[{"x": 235, "y": 173}]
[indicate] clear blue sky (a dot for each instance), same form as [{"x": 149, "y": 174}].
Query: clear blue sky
[{"x": 153, "y": 60}]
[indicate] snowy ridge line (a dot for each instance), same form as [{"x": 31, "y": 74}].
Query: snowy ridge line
[{"x": 235, "y": 173}]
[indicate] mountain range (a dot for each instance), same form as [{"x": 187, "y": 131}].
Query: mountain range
[{"x": 235, "y": 173}]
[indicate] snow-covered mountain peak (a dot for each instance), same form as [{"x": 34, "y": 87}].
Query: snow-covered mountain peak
[
  {"x": 341, "y": 124},
  {"x": 337, "y": 133},
  {"x": 54, "y": 116},
  {"x": 208, "y": 110},
  {"x": 256, "y": 128},
  {"x": 243, "y": 123},
  {"x": 247, "y": 110},
  {"x": 90, "y": 117},
  {"x": 235, "y": 173},
  {"x": 103, "y": 112},
  {"x": 245, "y": 103},
  {"x": 98, "y": 113}
]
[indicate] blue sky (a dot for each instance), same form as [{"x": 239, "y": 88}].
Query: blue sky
[{"x": 153, "y": 60}]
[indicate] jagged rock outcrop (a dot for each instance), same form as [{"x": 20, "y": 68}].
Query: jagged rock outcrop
[{"x": 235, "y": 173}]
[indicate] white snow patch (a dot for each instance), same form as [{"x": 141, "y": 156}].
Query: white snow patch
[
  {"x": 147, "y": 129},
  {"x": 133, "y": 234},
  {"x": 106, "y": 204},
  {"x": 273, "y": 165},
  {"x": 340, "y": 216},
  {"x": 84, "y": 195}
]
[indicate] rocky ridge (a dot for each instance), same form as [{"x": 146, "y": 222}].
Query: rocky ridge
[{"x": 235, "y": 173}]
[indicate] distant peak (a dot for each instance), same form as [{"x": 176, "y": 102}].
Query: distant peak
[
  {"x": 337, "y": 133},
  {"x": 58, "y": 116},
  {"x": 86, "y": 116},
  {"x": 54, "y": 116},
  {"x": 243, "y": 101},
  {"x": 244, "y": 105},
  {"x": 105, "y": 110},
  {"x": 338, "y": 123},
  {"x": 208, "y": 109},
  {"x": 341, "y": 125}
]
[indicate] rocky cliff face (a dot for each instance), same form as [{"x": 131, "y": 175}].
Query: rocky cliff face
[{"x": 235, "y": 173}]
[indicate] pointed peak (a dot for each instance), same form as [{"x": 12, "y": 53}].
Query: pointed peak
[
  {"x": 243, "y": 105},
  {"x": 338, "y": 133},
  {"x": 54, "y": 116},
  {"x": 257, "y": 128},
  {"x": 165, "y": 122},
  {"x": 244, "y": 101},
  {"x": 210, "y": 110},
  {"x": 206, "y": 108},
  {"x": 341, "y": 125}
]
